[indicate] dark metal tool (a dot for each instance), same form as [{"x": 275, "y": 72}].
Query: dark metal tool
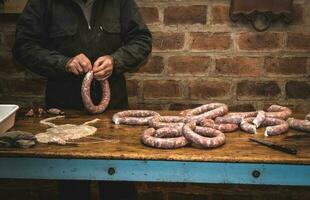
[{"x": 278, "y": 147}]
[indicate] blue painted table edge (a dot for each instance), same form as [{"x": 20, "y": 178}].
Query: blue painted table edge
[{"x": 155, "y": 171}]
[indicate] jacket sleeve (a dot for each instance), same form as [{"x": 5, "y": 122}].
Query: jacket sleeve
[
  {"x": 30, "y": 36},
  {"x": 136, "y": 37}
]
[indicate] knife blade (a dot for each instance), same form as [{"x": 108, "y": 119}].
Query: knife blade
[{"x": 283, "y": 148}]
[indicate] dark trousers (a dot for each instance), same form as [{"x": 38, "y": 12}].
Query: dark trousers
[{"x": 109, "y": 190}]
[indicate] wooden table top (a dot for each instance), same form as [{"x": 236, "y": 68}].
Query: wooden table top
[{"x": 238, "y": 148}]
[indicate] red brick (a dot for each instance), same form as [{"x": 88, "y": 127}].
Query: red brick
[
  {"x": 132, "y": 88},
  {"x": 209, "y": 89},
  {"x": 258, "y": 90},
  {"x": 149, "y": 14},
  {"x": 188, "y": 64},
  {"x": 168, "y": 41},
  {"x": 183, "y": 106},
  {"x": 298, "y": 41},
  {"x": 195, "y": 14},
  {"x": 210, "y": 41},
  {"x": 153, "y": 65},
  {"x": 259, "y": 41},
  {"x": 153, "y": 105},
  {"x": 220, "y": 14},
  {"x": 298, "y": 89},
  {"x": 286, "y": 66},
  {"x": 161, "y": 89},
  {"x": 238, "y": 66}
]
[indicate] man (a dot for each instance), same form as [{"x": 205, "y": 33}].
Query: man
[{"x": 64, "y": 39}]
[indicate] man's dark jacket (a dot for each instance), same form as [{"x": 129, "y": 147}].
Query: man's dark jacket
[{"x": 50, "y": 32}]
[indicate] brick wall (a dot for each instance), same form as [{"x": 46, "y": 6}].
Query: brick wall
[{"x": 199, "y": 56}]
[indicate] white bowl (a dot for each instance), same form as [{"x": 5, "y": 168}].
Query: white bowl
[{"x": 7, "y": 117}]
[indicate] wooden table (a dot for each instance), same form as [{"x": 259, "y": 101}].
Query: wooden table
[{"x": 238, "y": 161}]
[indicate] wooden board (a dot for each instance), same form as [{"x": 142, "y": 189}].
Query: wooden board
[{"x": 236, "y": 149}]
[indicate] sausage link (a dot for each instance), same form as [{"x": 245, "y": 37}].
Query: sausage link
[
  {"x": 298, "y": 124},
  {"x": 209, "y": 111},
  {"x": 168, "y": 132},
  {"x": 234, "y": 117},
  {"x": 148, "y": 138},
  {"x": 260, "y": 118},
  {"x": 225, "y": 128},
  {"x": 275, "y": 126},
  {"x": 204, "y": 137},
  {"x": 276, "y": 111},
  {"x": 246, "y": 125},
  {"x": 86, "y": 97},
  {"x": 168, "y": 121},
  {"x": 134, "y": 117}
]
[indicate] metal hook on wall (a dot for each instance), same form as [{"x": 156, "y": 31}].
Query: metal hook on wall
[{"x": 261, "y": 13}]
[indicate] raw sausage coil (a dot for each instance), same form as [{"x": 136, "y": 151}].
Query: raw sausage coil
[
  {"x": 168, "y": 132},
  {"x": 209, "y": 111},
  {"x": 234, "y": 118},
  {"x": 225, "y": 128},
  {"x": 168, "y": 121},
  {"x": 275, "y": 126},
  {"x": 276, "y": 111},
  {"x": 246, "y": 125},
  {"x": 298, "y": 124},
  {"x": 260, "y": 118},
  {"x": 86, "y": 97},
  {"x": 148, "y": 138},
  {"x": 134, "y": 117},
  {"x": 204, "y": 137}
]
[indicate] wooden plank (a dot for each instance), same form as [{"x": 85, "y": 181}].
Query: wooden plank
[{"x": 236, "y": 149}]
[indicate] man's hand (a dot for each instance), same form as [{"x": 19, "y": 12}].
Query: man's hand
[
  {"x": 79, "y": 64},
  {"x": 103, "y": 67}
]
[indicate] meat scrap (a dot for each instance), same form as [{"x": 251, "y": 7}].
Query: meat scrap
[{"x": 60, "y": 134}]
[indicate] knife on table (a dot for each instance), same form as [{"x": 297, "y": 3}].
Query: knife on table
[{"x": 283, "y": 148}]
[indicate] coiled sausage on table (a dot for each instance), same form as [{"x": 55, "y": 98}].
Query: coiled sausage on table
[
  {"x": 225, "y": 128},
  {"x": 234, "y": 118},
  {"x": 149, "y": 139},
  {"x": 259, "y": 119},
  {"x": 204, "y": 137},
  {"x": 86, "y": 97},
  {"x": 209, "y": 111},
  {"x": 168, "y": 126},
  {"x": 168, "y": 121},
  {"x": 275, "y": 126},
  {"x": 298, "y": 124},
  {"x": 246, "y": 125},
  {"x": 276, "y": 111},
  {"x": 134, "y": 117}
]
